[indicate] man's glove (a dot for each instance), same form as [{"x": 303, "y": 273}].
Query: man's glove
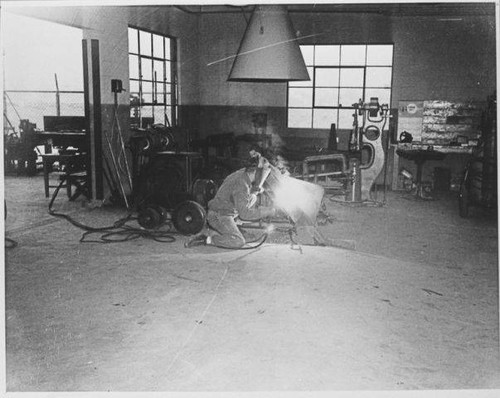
[{"x": 252, "y": 200}]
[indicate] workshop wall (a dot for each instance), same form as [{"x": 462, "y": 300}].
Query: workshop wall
[
  {"x": 109, "y": 25},
  {"x": 441, "y": 60},
  {"x": 435, "y": 58},
  {"x": 175, "y": 23},
  {"x": 185, "y": 27},
  {"x": 444, "y": 59}
]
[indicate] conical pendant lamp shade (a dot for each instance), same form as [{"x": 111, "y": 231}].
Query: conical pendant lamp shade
[{"x": 269, "y": 51}]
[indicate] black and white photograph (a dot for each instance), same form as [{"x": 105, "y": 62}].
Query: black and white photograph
[{"x": 250, "y": 199}]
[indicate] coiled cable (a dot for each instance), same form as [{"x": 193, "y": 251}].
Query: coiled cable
[{"x": 116, "y": 233}]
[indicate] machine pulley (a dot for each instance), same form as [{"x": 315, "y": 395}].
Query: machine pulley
[
  {"x": 152, "y": 217},
  {"x": 189, "y": 217}
]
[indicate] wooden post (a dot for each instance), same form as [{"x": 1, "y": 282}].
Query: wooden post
[{"x": 58, "y": 99}]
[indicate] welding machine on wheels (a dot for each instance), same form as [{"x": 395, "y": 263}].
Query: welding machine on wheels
[{"x": 166, "y": 186}]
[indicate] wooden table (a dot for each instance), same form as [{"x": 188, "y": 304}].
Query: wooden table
[
  {"x": 423, "y": 153},
  {"x": 62, "y": 139}
]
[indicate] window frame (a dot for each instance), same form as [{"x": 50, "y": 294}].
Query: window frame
[
  {"x": 337, "y": 107},
  {"x": 159, "y": 95}
]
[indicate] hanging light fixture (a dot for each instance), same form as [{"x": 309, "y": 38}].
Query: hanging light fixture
[{"x": 269, "y": 51}]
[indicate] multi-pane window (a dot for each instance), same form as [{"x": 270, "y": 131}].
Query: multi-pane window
[
  {"x": 341, "y": 75},
  {"x": 153, "y": 83}
]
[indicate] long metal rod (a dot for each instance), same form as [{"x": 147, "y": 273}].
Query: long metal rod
[
  {"x": 117, "y": 171},
  {"x": 112, "y": 183},
  {"x": 8, "y": 122},
  {"x": 58, "y": 98},
  {"x": 12, "y": 104},
  {"x": 122, "y": 143}
]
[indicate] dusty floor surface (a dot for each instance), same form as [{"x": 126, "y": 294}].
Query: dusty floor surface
[{"x": 415, "y": 307}]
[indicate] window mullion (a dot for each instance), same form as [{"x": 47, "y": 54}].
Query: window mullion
[
  {"x": 351, "y": 83},
  {"x": 173, "y": 77},
  {"x": 152, "y": 79},
  {"x": 314, "y": 89}
]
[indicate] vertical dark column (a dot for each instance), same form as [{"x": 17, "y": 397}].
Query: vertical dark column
[
  {"x": 86, "y": 98},
  {"x": 92, "y": 98},
  {"x": 96, "y": 93},
  {"x": 175, "y": 87}
]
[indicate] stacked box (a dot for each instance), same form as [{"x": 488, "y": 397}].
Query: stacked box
[{"x": 446, "y": 123}]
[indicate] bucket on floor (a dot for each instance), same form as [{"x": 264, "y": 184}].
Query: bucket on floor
[{"x": 442, "y": 179}]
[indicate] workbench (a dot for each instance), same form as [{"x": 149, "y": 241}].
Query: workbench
[{"x": 420, "y": 154}]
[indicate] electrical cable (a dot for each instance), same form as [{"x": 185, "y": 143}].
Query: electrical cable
[
  {"x": 76, "y": 223},
  {"x": 116, "y": 233},
  {"x": 129, "y": 233},
  {"x": 263, "y": 237}
]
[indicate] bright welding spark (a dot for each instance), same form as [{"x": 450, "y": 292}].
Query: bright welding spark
[
  {"x": 270, "y": 228},
  {"x": 291, "y": 195},
  {"x": 260, "y": 48}
]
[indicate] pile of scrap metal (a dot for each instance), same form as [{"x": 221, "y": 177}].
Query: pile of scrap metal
[{"x": 19, "y": 149}]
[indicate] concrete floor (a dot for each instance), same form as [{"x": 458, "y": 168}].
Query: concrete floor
[{"x": 415, "y": 307}]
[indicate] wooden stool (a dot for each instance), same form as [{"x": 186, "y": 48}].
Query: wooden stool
[
  {"x": 72, "y": 164},
  {"x": 79, "y": 181}
]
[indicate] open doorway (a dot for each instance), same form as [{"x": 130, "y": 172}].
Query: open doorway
[{"x": 43, "y": 85}]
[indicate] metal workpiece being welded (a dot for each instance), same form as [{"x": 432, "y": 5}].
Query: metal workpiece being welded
[
  {"x": 300, "y": 201},
  {"x": 262, "y": 196}
]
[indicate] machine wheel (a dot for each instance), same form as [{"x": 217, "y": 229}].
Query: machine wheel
[
  {"x": 152, "y": 217},
  {"x": 149, "y": 218},
  {"x": 189, "y": 217}
]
